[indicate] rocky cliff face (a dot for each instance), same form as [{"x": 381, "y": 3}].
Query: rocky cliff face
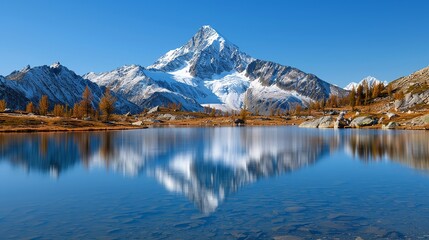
[{"x": 416, "y": 89}]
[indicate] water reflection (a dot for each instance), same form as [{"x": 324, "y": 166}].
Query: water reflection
[
  {"x": 409, "y": 148},
  {"x": 208, "y": 164}
]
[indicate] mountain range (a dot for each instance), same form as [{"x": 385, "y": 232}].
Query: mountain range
[
  {"x": 61, "y": 85},
  {"x": 211, "y": 71},
  {"x": 208, "y": 70}
]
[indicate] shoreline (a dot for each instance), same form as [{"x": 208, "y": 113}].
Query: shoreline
[{"x": 14, "y": 123}]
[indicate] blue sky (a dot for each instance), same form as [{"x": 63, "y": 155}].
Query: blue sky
[{"x": 339, "y": 41}]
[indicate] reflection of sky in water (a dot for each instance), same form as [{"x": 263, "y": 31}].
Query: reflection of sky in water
[{"x": 211, "y": 166}]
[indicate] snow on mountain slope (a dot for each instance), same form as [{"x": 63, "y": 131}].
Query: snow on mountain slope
[
  {"x": 370, "y": 80},
  {"x": 138, "y": 85},
  {"x": 60, "y": 84},
  {"x": 207, "y": 53},
  {"x": 211, "y": 71}
]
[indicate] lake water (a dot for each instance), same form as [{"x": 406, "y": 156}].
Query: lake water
[{"x": 219, "y": 183}]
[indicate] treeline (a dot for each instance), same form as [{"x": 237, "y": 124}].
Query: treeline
[
  {"x": 81, "y": 110},
  {"x": 364, "y": 95}
]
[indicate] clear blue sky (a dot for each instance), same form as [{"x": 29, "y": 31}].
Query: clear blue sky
[{"x": 339, "y": 41}]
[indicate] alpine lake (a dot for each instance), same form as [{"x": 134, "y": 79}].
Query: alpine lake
[{"x": 215, "y": 183}]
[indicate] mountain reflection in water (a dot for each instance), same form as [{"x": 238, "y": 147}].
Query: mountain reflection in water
[{"x": 206, "y": 164}]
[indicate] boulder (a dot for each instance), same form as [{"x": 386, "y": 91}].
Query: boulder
[
  {"x": 323, "y": 122},
  {"x": 391, "y": 115},
  {"x": 326, "y": 122},
  {"x": 391, "y": 125},
  {"x": 341, "y": 122},
  {"x": 239, "y": 121},
  {"x": 166, "y": 116},
  {"x": 153, "y": 110},
  {"x": 138, "y": 123},
  {"x": 310, "y": 124},
  {"x": 362, "y": 121}
]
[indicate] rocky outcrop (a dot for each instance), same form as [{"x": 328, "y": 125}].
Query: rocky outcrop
[
  {"x": 420, "y": 121},
  {"x": 416, "y": 89}
]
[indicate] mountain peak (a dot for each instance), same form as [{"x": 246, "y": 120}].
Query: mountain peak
[
  {"x": 56, "y": 65},
  {"x": 205, "y": 54},
  {"x": 371, "y": 81},
  {"x": 205, "y": 37},
  {"x": 208, "y": 33}
]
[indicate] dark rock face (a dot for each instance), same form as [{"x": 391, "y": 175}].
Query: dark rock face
[{"x": 289, "y": 78}]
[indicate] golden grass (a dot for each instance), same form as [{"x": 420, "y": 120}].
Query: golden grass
[{"x": 25, "y": 123}]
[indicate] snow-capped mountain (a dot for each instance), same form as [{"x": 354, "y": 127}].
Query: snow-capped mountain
[
  {"x": 60, "y": 84},
  {"x": 210, "y": 70},
  {"x": 148, "y": 88},
  {"x": 370, "y": 80},
  {"x": 205, "y": 54}
]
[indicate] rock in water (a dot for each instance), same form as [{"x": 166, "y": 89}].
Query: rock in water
[{"x": 341, "y": 122}]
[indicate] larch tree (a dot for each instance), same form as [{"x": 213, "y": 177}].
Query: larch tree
[
  {"x": 30, "y": 107},
  {"x": 3, "y": 105},
  {"x": 77, "y": 113},
  {"x": 86, "y": 103},
  {"x": 107, "y": 105},
  {"x": 44, "y": 105},
  {"x": 389, "y": 90},
  {"x": 58, "y": 110},
  {"x": 359, "y": 95}
]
